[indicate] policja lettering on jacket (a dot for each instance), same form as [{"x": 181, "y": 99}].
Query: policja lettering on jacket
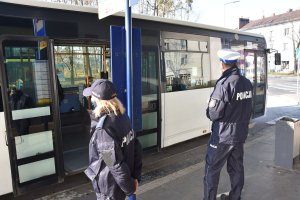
[
  {"x": 126, "y": 139},
  {"x": 244, "y": 95}
]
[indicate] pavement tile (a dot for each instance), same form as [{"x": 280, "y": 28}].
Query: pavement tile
[{"x": 263, "y": 180}]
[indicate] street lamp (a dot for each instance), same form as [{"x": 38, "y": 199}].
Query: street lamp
[{"x": 231, "y": 2}]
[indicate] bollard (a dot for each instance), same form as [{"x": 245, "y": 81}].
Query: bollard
[{"x": 287, "y": 142}]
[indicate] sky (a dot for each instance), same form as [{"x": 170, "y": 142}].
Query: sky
[{"x": 212, "y": 11}]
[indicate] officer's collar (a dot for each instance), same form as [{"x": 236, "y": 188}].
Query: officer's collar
[{"x": 231, "y": 70}]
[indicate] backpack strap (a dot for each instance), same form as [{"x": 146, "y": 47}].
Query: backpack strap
[{"x": 101, "y": 122}]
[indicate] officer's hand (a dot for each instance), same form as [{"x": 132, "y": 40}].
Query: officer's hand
[{"x": 136, "y": 185}]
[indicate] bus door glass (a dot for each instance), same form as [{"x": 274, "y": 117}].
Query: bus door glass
[
  {"x": 255, "y": 71},
  {"x": 77, "y": 66},
  {"x": 150, "y": 106},
  {"x": 30, "y": 107},
  {"x": 260, "y": 87}
]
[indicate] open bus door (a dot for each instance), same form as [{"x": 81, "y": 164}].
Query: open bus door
[
  {"x": 256, "y": 71},
  {"x": 78, "y": 64},
  {"x": 31, "y": 112}
]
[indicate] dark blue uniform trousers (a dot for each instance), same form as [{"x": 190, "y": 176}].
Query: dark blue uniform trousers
[{"x": 217, "y": 155}]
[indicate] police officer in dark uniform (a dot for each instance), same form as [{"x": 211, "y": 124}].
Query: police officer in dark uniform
[
  {"x": 115, "y": 161},
  {"x": 229, "y": 109}
]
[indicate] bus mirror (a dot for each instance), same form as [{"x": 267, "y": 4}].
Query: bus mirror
[{"x": 277, "y": 58}]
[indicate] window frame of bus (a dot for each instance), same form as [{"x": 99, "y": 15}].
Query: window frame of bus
[{"x": 185, "y": 39}]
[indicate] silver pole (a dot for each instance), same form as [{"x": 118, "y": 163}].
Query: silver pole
[
  {"x": 298, "y": 66},
  {"x": 129, "y": 68}
]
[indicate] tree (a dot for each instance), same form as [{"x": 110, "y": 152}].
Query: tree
[
  {"x": 93, "y": 3},
  {"x": 166, "y": 8},
  {"x": 294, "y": 36},
  {"x": 296, "y": 44},
  {"x": 179, "y": 9}
]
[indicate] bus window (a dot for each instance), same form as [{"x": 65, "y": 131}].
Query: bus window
[
  {"x": 187, "y": 64},
  {"x": 255, "y": 71},
  {"x": 28, "y": 88},
  {"x": 77, "y": 67},
  {"x": 260, "y": 89},
  {"x": 250, "y": 66}
]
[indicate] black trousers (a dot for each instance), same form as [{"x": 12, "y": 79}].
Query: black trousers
[{"x": 217, "y": 155}]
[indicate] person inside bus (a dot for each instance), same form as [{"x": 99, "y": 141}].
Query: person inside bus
[
  {"x": 19, "y": 100},
  {"x": 177, "y": 84},
  {"x": 89, "y": 120},
  {"x": 229, "y": 109},
  {"x": 60, "y": 91},
  {"x": 114, "y": 151},
  {"x": 85, "y": 100}
]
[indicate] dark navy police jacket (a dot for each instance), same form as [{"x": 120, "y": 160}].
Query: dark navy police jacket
[
  {"x": 115, "y": 157},
  {"x": 230, "y": 107}
]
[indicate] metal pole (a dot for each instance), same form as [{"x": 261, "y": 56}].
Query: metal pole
[
  {"x": 298, "y": 65},
  {"x": 129, "y": 69}
]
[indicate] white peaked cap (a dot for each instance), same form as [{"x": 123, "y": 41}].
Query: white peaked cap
[{"x": 228, "y": 56}]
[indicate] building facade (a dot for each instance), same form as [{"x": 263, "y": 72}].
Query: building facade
[{"x": 282, "y": 34}]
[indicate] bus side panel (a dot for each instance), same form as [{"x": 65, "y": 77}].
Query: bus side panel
[
  {"x": 184, "y": 115},
  {"x": 5, "y": 175}
]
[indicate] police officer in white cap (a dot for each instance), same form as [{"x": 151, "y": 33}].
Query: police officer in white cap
[{"x": 229, "y": 109}]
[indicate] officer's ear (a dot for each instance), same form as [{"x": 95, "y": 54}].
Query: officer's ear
[{"x": 223, "y": 66}]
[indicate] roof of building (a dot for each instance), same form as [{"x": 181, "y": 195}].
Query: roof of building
[{"x": 273, "y": 20}]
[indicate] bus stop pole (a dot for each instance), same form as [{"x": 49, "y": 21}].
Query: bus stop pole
[
  {"x": 129, "y": 68},
  {"x": 298, "y": 68}
]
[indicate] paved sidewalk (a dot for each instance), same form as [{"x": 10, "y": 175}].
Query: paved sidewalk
[
  {"x": 177, "y": 173},
  {"x": 263, "y": 180}
]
